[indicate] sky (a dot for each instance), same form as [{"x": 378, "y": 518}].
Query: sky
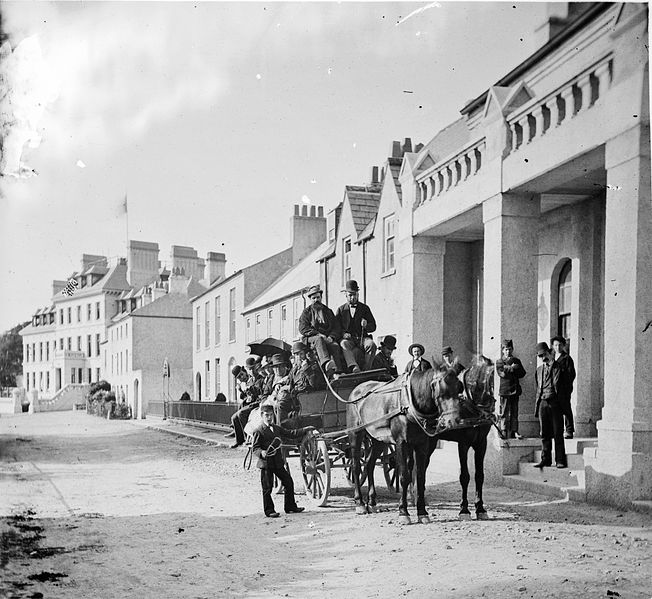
[{"x": 214, "y": 119}]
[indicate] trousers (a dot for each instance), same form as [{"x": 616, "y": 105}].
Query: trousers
[
  {"x": 327, "y": 350},
  {"x": 509, "y": 414},
  {"x": 551, "y": 419},
  {"x": 267, "y": 483}
]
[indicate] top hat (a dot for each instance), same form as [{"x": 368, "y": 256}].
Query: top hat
[
  {"x": 298, "y": 346},
  {"x": 314, "y": 290},
  {"x": 508, "y": 343},
  {"x": 446, "y": 350},
  {"x": 351, "y": 286},
  {"x": 542, "y": 349},
  {"x": 250, "y": 362},
  {"x": 558, "y": 338},
  {"x": 237, "y": 369},
  {"x": 278, "y": 360},
  {"x": 389, "y": 341},
  {"x": 423, "y": 349}
]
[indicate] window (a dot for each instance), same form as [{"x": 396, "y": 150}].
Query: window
[
  {"x": 97, "y": 310},
  {"x": 27, "y": 352},
  {"x": 284, "y": 317},
  {"x": 47, "y": 351},
  {"x": 88, "y": 317},
  {"x": 258, "y": 323},
  {"x": 90, "y": 372},
  {"x": 72, "y": 375},
  {"x": 207, "y": 387},
  {"x": 247, "y": 330},
  {"x": 70, "y": 343},
  {"x": 565, "y": 297},
  {"x": 69, "y": 315},
  {"x": 79, "y": 315},
  {"x": 197, "y": 328},
  {"x": 218, "y": 320},
  {"x": 97, "y": 374},
  {"x": 61, "y": 316},
  {"x": 61, "y": 343},
  {"x": 97, "y": 344},
  {"x": 27, "y": 381},
  {"x": 40, "y": 352},
  {"x": 346, "y": 259},
  {"x": 388, "y": 242},
  {"x": 79, "y": 343},
  {"x": 217, "y": 376},
  {"x": 298, "y": 308},
  {"x": 89, "y": 347},
  {"x": 331, "y": 234},
  {"x": 232, "y": 314},
  {"x": 47, "y": 381},
  {"x": 270, "y": 317},
  {"x": 126, "y": 359},
  {"x": 207, "y": 326}
]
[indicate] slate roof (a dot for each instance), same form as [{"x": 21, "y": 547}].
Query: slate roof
[
  {"x": 394, "y": 167},
  {"x": 169, "y": 305},
  {"x": 364, "y": 202},
  {"x": 450, "y": 139}
]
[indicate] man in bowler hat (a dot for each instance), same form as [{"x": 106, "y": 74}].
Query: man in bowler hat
[
  {"x": 322, "y": 331},
  {"x": 383, "y": 359},
  {"x": 548, "y": 408},
  {"x": 266, "y": 446},
  {"x": 449, "y": 360},
  {"x": 566, "y": 384},
  {"x": 356, "y": 320},
  {"x": 510, "y": 370}
]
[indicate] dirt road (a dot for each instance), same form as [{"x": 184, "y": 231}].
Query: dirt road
[{"x": 91, "y": 508}]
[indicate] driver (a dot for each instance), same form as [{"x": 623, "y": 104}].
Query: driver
[{"x": 356, "y": 320}]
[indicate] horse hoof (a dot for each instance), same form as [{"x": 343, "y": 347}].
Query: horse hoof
[
  {"x": 424, "y": 519},
  {"x": 464, "y": 516},
  {"x": 404, "y": 520},
  {"x": 372, "y": 509},
  {"x": 360, "y": 510},
  {"x": 482, "y": 515}
]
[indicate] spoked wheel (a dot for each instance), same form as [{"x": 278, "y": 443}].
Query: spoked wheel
[
  {"x": 316, "y": 469},
  {"x": 389, "y": 468},
  {"x": 365, "y": 451}
]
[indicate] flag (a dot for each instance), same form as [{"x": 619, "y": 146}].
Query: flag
[
  {"x": 70, "y": 287},
  {"x": 124, "y": 205}
]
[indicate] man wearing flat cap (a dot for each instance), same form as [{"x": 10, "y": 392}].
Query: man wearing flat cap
[
  {"x": 322, "y": 332},
  {"x": 418, "y": 362},
  {"x": 548, "y": 408},
  {"x": 567, "y": 367},
  {"x": 383, "y": 359},
  {"x": 356, "y": 322},
  {"x": 510, "y": 370}
]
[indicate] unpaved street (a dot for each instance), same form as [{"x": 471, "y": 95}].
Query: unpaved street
[{"x": 101, "y": 509}]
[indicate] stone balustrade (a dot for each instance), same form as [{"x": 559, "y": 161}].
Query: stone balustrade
[
  {"x": 575, "y": 97},
  {"x": 449, "y": 173}
]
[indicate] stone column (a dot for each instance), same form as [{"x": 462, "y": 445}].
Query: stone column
[
  {"x": 422, "y": 284},
  {"x": 511, "y": 245},
  {"x": 622, "y": 470}
]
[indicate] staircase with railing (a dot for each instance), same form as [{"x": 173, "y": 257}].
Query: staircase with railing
[{"x": 65, "y": 399}]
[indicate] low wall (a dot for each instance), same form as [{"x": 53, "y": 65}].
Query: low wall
[{"x": 194, "y": 411}]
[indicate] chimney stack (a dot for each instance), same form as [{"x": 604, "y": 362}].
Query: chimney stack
[
  {"x": 186, "y": 258},
  {"x": 374, "y": 175},
  {"x": 407, "y": 145},
  {"x": 395, "y": 151},
  {"x": 308, "y": 231},
  {"x": 215, "y": 267},
  {"x": 142, "y": 262}
]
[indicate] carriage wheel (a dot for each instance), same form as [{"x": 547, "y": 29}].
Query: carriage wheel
[
  {"x": 389, "y": 468},
  {"x": 365, "y": 450},
  {"x": 316, "y": 469}
]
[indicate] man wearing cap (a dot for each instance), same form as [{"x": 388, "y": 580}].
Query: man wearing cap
[
  {"x": 418, "y": 362},
  {"x": 322, "y": 332},
  {"x": 266, "y": 440},
  {"x": 249, "y": 403},
  {"x": 356, "y": 321},
  {"x": 548, "y": 408},
  {"x": 304, "y": 374},
  {"x": 566, "y": 383},
  {"x": 450, "y": 360},
  {"x": 283, "y": 396},
  {"x": 383, "y": 359},
  {"x": 510, "y": 370}
]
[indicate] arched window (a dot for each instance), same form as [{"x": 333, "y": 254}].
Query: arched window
[
  {"x": 564, "y": 290},
  {"x": 198, "y": 387}
]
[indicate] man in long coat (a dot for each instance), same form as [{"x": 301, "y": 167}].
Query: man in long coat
[
  {"x": 567, "y": 378},
  {"x": 356, "y": 320},
  {"x": 510, "y": 370}
]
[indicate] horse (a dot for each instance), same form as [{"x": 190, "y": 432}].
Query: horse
[{"x": 378, "y": 411}]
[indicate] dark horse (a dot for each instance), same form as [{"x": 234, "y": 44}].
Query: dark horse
[{"x": 464, "y": 404}]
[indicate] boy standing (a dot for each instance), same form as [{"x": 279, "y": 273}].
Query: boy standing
[
  {"x": 510, "y": 370},
  {"x": 266, "y": 447}
]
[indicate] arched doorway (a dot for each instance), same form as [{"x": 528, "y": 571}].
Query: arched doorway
[
  {"x": 198, "y": 387},
  {"x": 564, "y": 299},
  {"x": 136, "y": 408}
]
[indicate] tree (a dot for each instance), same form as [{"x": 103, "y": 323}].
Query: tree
[{"x": 11, "y": 356}]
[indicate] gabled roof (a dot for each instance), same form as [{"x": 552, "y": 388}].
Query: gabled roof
[
  {"x": 368, "y": 231},
  {"x": 169, "y": 305},
  {"x": 394, "y": 168},
  {"x": 364, "y": 202},
  {"x": 301, "y": 276},
  {"x": 451, "y": 138}
]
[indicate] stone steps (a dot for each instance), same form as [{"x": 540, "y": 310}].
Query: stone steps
[{"x": 565, "y": 483}]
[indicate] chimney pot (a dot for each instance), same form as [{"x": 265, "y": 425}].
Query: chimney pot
[
  {"x": 418, "y": 147},
  {"x": 320, "y": 211},
  {"x": 313, "y": 211},
  {"x": 396, "y": 152},
  {"x": 296, "y": 210},
  {"x": 304, "y": 210},
  {"x": 407, "y": 145},
  {"x": 374, "y": 175}
]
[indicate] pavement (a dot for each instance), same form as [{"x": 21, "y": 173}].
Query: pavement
[{"x": 213, "y": 434}]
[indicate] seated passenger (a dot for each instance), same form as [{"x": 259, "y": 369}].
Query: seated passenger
[
  {"x": 321, "y": 330},
  {"x": 383, "y": 359},
  {"x": 356, "y": 321},
  {"x": 250, "y": 401},
  {"x": 418, "y": 362},
  {"x": 305, "y": 374},
  {"x": 283, "y": 396}
]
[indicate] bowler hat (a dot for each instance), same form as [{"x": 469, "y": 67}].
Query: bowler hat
[
  {"x": 250, "y": 362},
  {"x": 237, "y": 369},
  {"x": 298, "y": 346},
  {"x": 446, "y": 350},
  {"x": 314, "y": 290},
  {"x": 508, "y": 344},
  {"x": 266, "y": 407},
  {"x": 542, "y": 349},
  {"x": 351, "y": 286},
  {"x": 389, "y": 341},
  {"x": 423, "y": 349},
  {"x": 278, "y": 360},
  {"x": 558, "y": 338}
]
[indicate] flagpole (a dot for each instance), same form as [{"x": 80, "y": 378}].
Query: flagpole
[{"x": 126, "y": 208}]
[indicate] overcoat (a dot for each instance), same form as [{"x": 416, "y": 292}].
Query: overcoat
[
  {"x": 262, "y": 438},
  {"x": 310, "y": 324},
  {"x": 353, "y": 324},
  {"x": 509, "y": 376}
]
